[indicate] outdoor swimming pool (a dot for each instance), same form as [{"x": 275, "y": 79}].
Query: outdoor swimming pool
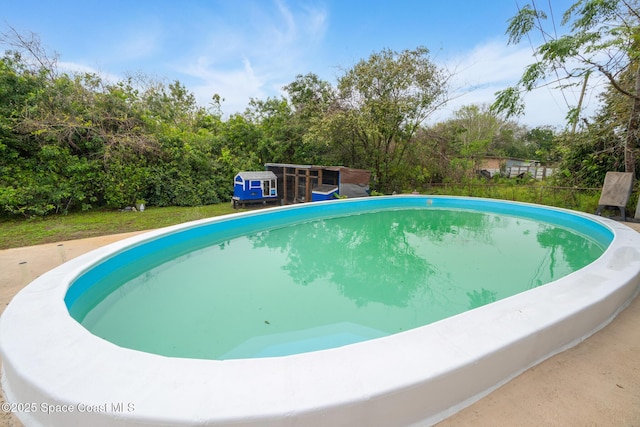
[
  {"x": 327, "y": 282},
  {"x": 386, "y": 264}
]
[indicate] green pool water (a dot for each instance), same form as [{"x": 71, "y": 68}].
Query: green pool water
[{"x": 330, "y": 282}]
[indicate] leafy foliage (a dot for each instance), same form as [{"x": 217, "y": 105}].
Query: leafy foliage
[
  {"x": 604, "y": 38},
  {"x": 75, "y": 142},
  {"x": 381, "y": 103},
  {"x": 586, "y": 157}
]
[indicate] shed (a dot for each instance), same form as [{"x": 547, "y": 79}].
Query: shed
[
  {"x": 305, "y": 183},
  {"x": 261, "y": 186},
  {"x": 512, "y": 167}
]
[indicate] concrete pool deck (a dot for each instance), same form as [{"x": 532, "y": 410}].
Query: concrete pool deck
[{"x": 596, "y": 382}]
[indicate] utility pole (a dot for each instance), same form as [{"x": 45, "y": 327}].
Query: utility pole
[{"x": 584, "y": 89}]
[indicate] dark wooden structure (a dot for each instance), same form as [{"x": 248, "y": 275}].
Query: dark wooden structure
[{"x": 296, "y": 183}]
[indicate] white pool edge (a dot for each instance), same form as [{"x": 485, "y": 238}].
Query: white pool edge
[{"x": 418, "y": 377}]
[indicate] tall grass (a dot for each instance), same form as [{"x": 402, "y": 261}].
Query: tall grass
[{"x": 575, "y": 198}]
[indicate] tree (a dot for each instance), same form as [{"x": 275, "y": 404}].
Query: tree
[
  {"x": 28, "y": 45},
  {"x": 541, "y": 145},
  {"x": 454, "y": 149},
  {"x": 278, "y": 140},
  {"x": 588, "y": 156},
  {"x": 481, "y": 131},
  {"x": 604, "y": 38},
  {"x": 171, "y": 105},
  {"x": 310, "y": 96},
  {"x": 381, "y": 103}
]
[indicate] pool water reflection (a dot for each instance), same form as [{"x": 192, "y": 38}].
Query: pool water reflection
[{"x": 329, "y": 282}]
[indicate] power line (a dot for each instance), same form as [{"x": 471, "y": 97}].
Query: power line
[
  {"x": 535, "y": 55},
  {"x": 544, "y": 37},
  {"x": 553, "y": 21}
]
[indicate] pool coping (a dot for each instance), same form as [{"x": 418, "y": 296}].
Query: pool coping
[{"x": 342, "y": 386}]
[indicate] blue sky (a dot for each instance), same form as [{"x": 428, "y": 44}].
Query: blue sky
[{"x": 242, "y": 49}]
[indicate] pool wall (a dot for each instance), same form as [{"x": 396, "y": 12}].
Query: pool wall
[{"x": 417, "y": 377}]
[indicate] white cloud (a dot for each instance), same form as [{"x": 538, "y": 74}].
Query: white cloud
[
  {"x": 288, "y": 33},
  {"x": 139, "y": 45},
  {"x": 255, "y": 59},
  {"x": 316, "y": 23},
  {"x": 236, "y": 85},
  {"x": 494, "y": 66}
]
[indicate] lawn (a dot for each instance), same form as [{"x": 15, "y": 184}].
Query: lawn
[{"x": 56, "y": 228}]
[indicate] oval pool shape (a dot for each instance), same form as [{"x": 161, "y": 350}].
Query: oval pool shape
[
  {"x": 418, "y": 376},
  {"x": 321, "y": 283}
]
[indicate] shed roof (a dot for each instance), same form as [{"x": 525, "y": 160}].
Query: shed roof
[
  {"x": 257, "y": 175},
  {"x": 331, "y": 168}
]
